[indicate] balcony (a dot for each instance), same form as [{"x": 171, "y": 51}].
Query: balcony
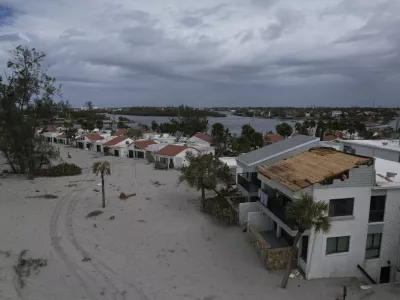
[
  {"x": 250, "y": 185},
  {"x": 278, "y": 207}
]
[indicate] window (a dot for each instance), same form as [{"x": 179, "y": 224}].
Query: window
[
  {"x": 377, "y": 209},
  {"x": 304, "y": 248},
  {"x": 373, "y": 247},
  {"x": 337, "y": 244},
  {"x": 341, "y": 207}
]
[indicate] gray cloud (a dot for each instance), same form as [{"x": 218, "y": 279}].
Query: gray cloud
[{"x": 254, "y": 52}]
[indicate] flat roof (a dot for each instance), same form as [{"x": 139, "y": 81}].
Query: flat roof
[
  {"x": 392, "y": 145},
  {"x": 230, "y": 161},
  {"x": 259, "y": 155},
  {"x": 313, "y": 166},
  {"x": 382, "y": 167}
]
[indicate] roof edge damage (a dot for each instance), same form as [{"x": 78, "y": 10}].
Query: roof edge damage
[{"x": 317, "y": 165}]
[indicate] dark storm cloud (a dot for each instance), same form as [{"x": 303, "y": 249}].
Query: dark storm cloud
[{"x": 215, "y": 52}]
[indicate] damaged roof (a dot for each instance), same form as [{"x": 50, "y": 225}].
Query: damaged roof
[{"x": 310, "y": 167}]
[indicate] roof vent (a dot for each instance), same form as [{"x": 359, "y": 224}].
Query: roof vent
[{"x": 390, "y": 174}]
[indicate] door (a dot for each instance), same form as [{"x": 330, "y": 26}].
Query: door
[
  {"x": 130, "y": 153},
  {"x": 385, "y": 275},
  {"x": 116, "y": 153},
  {"x": 304, "y": 247},
  {"x": 98, "y": 148},
  {"x": 140, "y": 154}
]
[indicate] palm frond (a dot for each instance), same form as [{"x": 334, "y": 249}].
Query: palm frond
[
  {"x": 101, "y": 167},
  {"x": 309, "y": 214}
]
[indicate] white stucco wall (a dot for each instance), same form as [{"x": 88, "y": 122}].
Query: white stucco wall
[
  {"x": 365, "y": 150},
  {"x": 390, "y": 238},
  {"x": 321, "y": 265},
  {"x": 245, "y": 209},
  {"x": 182, "y": 156}
]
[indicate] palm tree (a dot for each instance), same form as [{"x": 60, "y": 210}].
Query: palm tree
[
  {"x": 204, "y": 172},
  {"x": 104, "y": 169},
  {"x": 307, "y": 214}
]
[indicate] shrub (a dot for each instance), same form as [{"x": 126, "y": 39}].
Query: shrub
[
  {"x": 63, "y": 169},
  {"x": 221, "y": 210}
]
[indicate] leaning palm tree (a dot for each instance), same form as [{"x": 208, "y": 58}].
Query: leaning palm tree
[
  {"x": 307, "y": 214},
  {"x": 104, "y": 169}
]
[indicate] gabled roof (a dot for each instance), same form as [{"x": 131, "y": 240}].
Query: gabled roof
[
  {"x": 115, "y": 141},
  {"x": 204, "y": 137},
  {"x": 257, "y": 156},
  {"x": 143, "y": 144},
  {"x": 171, "y": 150},
  {"x": 313, "y": 166},
  {"x": 94, "y": 137},
  {"x": 120, "y": 132},
  {"x": 273, "y": 137}
]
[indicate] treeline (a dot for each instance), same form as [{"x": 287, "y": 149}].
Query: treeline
[
  {"x": 27, "y": 96},
  {"x": 169, "y": 112}
]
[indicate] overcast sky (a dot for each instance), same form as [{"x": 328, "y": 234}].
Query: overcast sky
[{"x": 213, "y": 52}]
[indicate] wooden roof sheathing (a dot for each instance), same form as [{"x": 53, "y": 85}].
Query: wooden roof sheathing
[{"x": 313, "y": 166}]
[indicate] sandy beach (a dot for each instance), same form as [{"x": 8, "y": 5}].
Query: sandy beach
[{"x": 157, "y": 244}]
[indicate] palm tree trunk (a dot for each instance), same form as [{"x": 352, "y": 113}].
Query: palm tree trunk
[
  {"x": 290, "y": 260},
  {"x": 203, "y": 198},
  {"x": 102, "y": 190}
]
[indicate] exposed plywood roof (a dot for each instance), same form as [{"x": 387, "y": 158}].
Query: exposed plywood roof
[{"x": 313, "y": 166}]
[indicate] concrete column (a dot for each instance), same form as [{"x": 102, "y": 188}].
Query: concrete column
[{"x": 278, "y": 231}]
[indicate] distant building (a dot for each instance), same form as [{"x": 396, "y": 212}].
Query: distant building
[
  {"x": 336, "y": 113},
  {"x": 273, "y": 138}
]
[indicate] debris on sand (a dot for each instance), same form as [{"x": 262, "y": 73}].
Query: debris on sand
[
  {"x": 86, "y": 258},
  {"x": 94, "y": 213},
  {"x": 5, "y": 253},
  {"x": 142, "y": 221},
  {"x": 157, "y": 183},
  {"x": 24, "y": 266},
  {"x": 96, "y": 190},
  {"x": 148, "y": 198},
  {"x": 112, "y": 217},
  {"x": 45, "y": 196},
  {"x": 124, "y": 196},
  {"x": 72, "y": 185}
]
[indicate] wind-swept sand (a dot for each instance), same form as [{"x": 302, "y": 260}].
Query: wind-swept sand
[{"x": 158, "y": 246}]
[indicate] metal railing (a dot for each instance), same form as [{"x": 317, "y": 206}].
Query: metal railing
[{"x": 251, "y": 186}]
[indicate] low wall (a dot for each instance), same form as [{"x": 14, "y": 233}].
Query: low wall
[{"x": 273, "y": 258}]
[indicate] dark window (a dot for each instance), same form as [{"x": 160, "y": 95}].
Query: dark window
[
  {"x": 304, "y": 248},
  {"x": 373, "y": 247},
  {"x": 341, "y": 207},
  {"x": 337, "y": 244},
  {"x": 377, "y": 209}
]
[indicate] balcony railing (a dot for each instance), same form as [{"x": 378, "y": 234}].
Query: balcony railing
[
  {"x": 250, "y": 185},
  {"x": 278, "y": 209}
]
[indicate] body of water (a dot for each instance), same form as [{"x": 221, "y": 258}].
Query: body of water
[{"x": 234, "y": 123}]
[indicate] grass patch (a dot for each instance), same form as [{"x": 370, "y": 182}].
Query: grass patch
[
  {"x": 94, "y": 213},
  {"x": 25, "y": 266}
]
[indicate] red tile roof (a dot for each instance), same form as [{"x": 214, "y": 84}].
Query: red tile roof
[
  {"x": 204, "y": 137},
  {"x": 143, "y": 144},
  {"x": 120, "y": 132},
  {"x": 274, "y": 137},
  {"x": 116, "y": 141},
  {"x": 94, "y": 137},
  {"x": 328, "y": 138},
  {"x": 171, "y": 150}
]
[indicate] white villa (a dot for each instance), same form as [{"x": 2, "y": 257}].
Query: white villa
[{"x": 363, "y": 194}]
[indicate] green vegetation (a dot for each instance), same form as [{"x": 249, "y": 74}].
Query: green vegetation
[
  {"x": 308, "y": 215},
  {"x": 26, "y": 99},
  {"x": 284, "y": 129},
  {"x": 169, "y": 111},
  {"x": 102, "y": 168},
  {"x": 63, "y": 169},
  {"x": 204, "y": 172},
  {"x": 186, "y": 125}
]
